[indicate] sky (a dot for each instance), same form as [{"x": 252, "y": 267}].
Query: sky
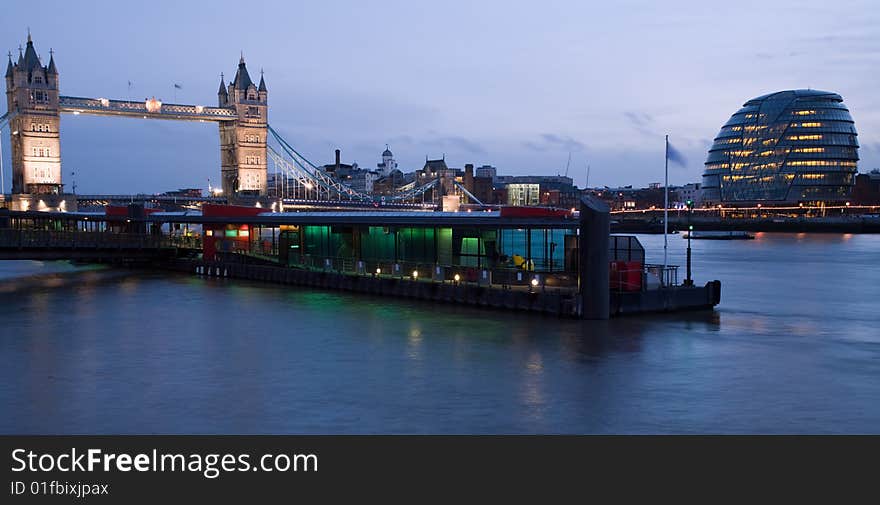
[{"x": 517, "y": 85}]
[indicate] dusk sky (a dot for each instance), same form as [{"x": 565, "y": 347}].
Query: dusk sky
[{"x": 517, "y": 85}]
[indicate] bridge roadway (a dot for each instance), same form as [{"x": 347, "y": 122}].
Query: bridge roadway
[{"x": 289, "y": 203}]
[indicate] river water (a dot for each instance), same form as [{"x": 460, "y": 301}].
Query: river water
[{"x": 794, "y": 347}]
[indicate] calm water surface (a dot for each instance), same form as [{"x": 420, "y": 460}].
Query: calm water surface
[{"x": 794, "y": 347}]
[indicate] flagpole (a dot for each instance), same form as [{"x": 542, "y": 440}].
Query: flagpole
[{"x": 666, "y": 209}]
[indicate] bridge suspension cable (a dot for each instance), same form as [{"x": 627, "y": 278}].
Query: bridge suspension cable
[
  {"x": 307, "y": 174},
  {"x": 4, "y": 119}
]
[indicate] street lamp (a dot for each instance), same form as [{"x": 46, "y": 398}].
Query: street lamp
[{"x": 690, "y": 206}]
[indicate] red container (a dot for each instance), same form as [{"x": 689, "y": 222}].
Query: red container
[
  {"x": 632, "y": 276},
  {"x": 616, "y": 275}
]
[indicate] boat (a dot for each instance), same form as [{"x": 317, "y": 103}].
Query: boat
[{"x": 719, "y": 235}]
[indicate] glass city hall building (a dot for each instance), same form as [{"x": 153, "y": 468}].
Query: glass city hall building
[{"x": 788, "y": 147}]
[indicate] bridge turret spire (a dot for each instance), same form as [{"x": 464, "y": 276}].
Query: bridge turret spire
[
  {"x": 222, "y": 95},
  {"x": 52, "y": 69},
  {"x": 242, "y": 78},
  {"x": 262, "y": 87},
  {"x": 31, "y": 59},
  {"x": 9, "y": 66}
]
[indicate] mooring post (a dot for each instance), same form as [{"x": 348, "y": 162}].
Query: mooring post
[{"x": 595, "y": 231}]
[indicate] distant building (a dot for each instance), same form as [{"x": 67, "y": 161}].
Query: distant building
[
  {"x": 484, "y": 189},
  {"x": 487, "y": 171},
  {"x": 629, "y": 198},
  {"x": 789, "y": 147},
  {"x": 388, "y": 164},
  {"x": 362, "y": 180},
  {"x": 867, "y": 188},
  {"x": 388, "y": 184},
  {"x": 523, "y": 194},
  {"x": 690, "y": 191},
  {"x": 340, "y": 171},
  {"x": 550, "y": 190}
]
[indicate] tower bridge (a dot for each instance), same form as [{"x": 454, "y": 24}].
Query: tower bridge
[
  {"x": 35, "y": 104},
  {"x": 34, "y": 107}
]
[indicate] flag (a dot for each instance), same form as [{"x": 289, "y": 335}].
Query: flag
[
  {"x": 673, "y": 155},
  {"x": 177, "y": 86}
]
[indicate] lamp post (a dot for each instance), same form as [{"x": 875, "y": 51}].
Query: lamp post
[{"x": 690, "y": 205}]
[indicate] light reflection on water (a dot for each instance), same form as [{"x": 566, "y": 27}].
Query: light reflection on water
[{"x": 793, "y": 347}]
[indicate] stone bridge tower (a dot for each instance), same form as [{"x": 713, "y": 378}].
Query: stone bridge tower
[
  {"x": 243, "y": 141},
  {"x": 32, "y": 100}
]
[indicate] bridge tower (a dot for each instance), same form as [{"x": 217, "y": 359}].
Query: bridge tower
[
  {"x": 32, "y": 101},
  {"x": 243, "y": 141}
]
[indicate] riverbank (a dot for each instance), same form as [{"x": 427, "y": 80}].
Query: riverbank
[{"x": 652, "y": 222}]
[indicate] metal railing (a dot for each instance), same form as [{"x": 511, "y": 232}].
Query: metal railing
[
  {"x": 497, "y": 277},
  {"x": 47, "y": 239},
  {"x": 668, "y": 275}
]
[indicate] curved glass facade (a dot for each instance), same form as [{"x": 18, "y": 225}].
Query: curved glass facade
[{"x": 785, "y": 147}]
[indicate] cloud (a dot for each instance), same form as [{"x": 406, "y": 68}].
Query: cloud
[
  {"x": 642, "y": 122},
  {"x": 639, "y": 118},
  {"x": 553, "y": 142},
  {"x": 454, "y": 142}
]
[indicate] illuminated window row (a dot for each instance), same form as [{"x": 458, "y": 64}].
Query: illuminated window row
[
  {"x": 807, "y": 125},
  {"x": 804, "y": 137},
  {"x": 808, "y": 150},
  {"x": 752, "y": 178},
  {"x": 716, "y": 166},
  {"x": 820, "y": 163}
]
